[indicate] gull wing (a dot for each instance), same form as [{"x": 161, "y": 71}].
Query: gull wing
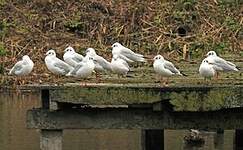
[
  {"x": 225, "y": 65},
  {"x": 62, "y": 66},
  {"x": 103, "y": 62},
  {"x": 132, "y": 55},
  {"x": 76, "y": 68},
  {"x": 17, "y": 67},
  {"x": 78, "y": 58},
  {"x": 169, "y": 65},
  {"x": 125, "y": 58},
  {"x": 126, "y": 64}
]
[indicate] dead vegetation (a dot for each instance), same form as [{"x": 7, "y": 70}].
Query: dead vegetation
[{"x": 173, "y": 27}]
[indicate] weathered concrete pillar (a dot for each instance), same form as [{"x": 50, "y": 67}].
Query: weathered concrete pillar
[
  {"x": 238, "y": 139},
  {"x": 152, "y": 139},
  {"x": 45, "y": 98},
  {"x": 219, "y": 139},
  {"x": 51, "y": 140}
]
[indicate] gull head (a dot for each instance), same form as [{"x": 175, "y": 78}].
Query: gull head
[
  {"x": 205, "y": 61},
  {"x": 90, "y": 52},
  {"x": 69, "y": 49},
  {"x": 211, "y": 53},
  {"x": 159, "y": 57},
  {"x": 116, "y": 45},
  {"x": 51, "y": 53},
  {"x": 26, "y": 57}
]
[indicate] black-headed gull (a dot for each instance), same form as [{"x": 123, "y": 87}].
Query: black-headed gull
[
  {"x": 119, "y": 66},
  {"x": 101, "y": 64},
  {"x": 164, "y": 68},
  {"x": 126, "y": 54},
  {"x": 219, "y": 63},
  {"x": 22, "y": 67},
  {"x": 55, "y": 65},
  {"x": 71, "y": 57},
  {"x": 206, "y": 69},
  {"x": 84, "y": 69}
]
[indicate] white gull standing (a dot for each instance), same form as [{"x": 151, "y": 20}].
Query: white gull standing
[
  {"x": 119, "y": 66},
  {"x": 206, "y": 69},
  {"x": 71, "y": 57},
  {"x": 164, "y": 68},
  {"x": 22, "y": 67},
  {"x": 83, "y": 69},
  {"x": 55, "y": 65},
  {"x": 126, "y": 54},
  {"x": 101, "y": 64},
  {"x": 219, "y": 64}
]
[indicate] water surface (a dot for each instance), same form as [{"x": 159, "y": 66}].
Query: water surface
[{"x": 15, "y": 136}]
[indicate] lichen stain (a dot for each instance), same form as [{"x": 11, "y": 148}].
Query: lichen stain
[{"x": 214, "y": 99}]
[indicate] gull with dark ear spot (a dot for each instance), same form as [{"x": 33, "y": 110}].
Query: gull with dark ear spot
[
  {"x": 55, "y": 65},
  {"x": 126, "y": 54},
  {"x": 206, "y": 69},
  {"x": 22, "y": 67},
  {"x": 219, "y": 64},
  {"x": 71, "y": 57},
  {"x": 84, "y": 69},
  {"x": 101, "y": 64},
  {"x": 165, "y": 68}
]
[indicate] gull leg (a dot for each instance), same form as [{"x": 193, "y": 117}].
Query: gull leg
[
  {"x": 217, "y": 75},
  {"x": 166, "y": 81},
  {"x": 98, "y": 77},
  {"x": 157, "y": 78},
  {"x": 161, "y": 79}
]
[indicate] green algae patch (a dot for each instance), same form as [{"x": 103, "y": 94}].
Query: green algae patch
[
  {"x": 191, "y": 98},
  {"x": 207, "y": 99},
  {"x": 106, "y": 95}
]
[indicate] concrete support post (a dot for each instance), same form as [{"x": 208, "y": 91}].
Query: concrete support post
[
  {"x": 219, "y": 139},
  {"x": 51, "y": 140},
  {"x": 152, "y": 139},
  {"x": 238, "y": 139}
]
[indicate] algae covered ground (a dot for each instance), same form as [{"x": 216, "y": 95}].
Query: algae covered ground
[{"x": 182, "y": 30}]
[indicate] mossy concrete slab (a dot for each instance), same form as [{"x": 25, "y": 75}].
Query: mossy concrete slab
[{"x": 183, "y": 98}]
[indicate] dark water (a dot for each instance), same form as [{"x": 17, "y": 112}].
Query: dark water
[{"x": 15, "y": 136}]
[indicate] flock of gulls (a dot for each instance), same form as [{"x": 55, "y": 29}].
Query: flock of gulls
[{"x": 76, "y": 65}]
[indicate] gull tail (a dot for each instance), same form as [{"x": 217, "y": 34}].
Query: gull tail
[
  {"x": 183, "y": 74},
  {"x": 139, "y": 58},
  {"x": 69, "y": 74},
  {"x": 237, "y": 68}
]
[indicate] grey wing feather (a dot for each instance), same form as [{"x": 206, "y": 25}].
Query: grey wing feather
[
  {"x": 132, "y": 55},
  {"x": 63, "y": 66},
  {"x": 126, "y": 64},
  {"x": 129, "y": 52},
  {"x": 225, "y": 65},
  {"x": 18, "y": 66},
  {"x": 104, "y": 63},
  {"x": 76, "y": 68},
  {"x": 125, "y": 58},
  {"x": 171, "y": 67},
  {"x": 78, "y": 58}
]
